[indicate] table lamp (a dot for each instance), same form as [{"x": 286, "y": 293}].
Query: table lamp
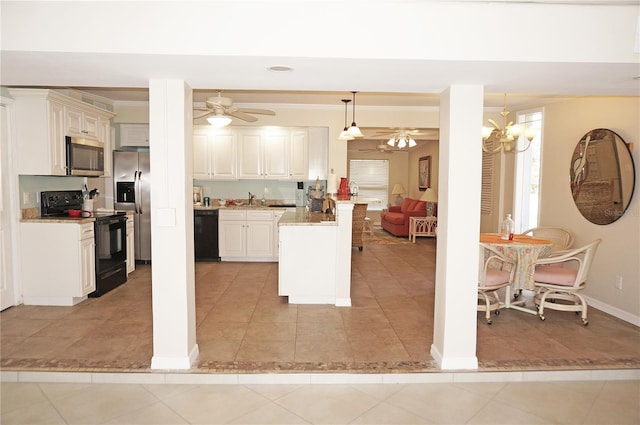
[
  {"x": 398, "y": 190},
  {"x": 431, "y": 198}
]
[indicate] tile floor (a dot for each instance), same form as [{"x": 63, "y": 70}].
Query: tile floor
[
  {"x": 244, "y": 327},
  {"x": 594, "y": 402}
]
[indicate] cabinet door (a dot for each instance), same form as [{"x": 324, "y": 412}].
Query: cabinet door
[
  {"x": 298, "y": 155},
  {"x": 134, "y": 135},
  {"x": 201, "y": 157},
  {"x": 106, "y": 137},
  {"x": 250, "y": 155},
  {"x": 91, "y": 125},
  {"x": 57, "y": 146},
  {"x": 224, "y": 152},
  {"x": 231, "y": 238},
  {"x": 275, "y": 148},
  {"x": 88, "y": 265},
  {"x": 276, "y": 232},
  {"x": 131, "y": 246},
  {"x": 81, "y": 123},
  {"x": 259, "y": 238}
]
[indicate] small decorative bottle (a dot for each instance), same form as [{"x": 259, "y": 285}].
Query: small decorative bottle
[{"x": 507, "y": 229}]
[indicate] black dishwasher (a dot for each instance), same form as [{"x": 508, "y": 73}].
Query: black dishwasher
[{"x": 205, "y": 230}]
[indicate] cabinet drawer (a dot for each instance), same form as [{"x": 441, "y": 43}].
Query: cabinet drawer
[
  {"x": 231, "y": 215},
  {"x": 86, "y": 231},
  {"x": 259, "y": 215}
]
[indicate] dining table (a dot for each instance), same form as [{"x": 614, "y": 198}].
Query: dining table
[{"x": 525, "y": 250}]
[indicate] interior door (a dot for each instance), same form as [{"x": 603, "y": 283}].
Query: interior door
[{"x": 6, "y": 256}]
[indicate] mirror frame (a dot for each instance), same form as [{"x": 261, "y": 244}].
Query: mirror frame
[{"x": 602, "y": 175}]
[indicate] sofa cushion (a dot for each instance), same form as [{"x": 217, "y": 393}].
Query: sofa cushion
[
  {"x": 405, "y": 204},
  {"x": 395, "y": 218},
  {"x": 420, "y": 206}
]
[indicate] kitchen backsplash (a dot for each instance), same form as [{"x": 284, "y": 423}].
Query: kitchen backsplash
[
  {"x": 269, "y": 189},
  {"x": 31, "y": 186}
]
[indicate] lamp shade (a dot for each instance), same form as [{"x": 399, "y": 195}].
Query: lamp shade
[
  {"x": 429, "y": 195},
  {"x": 398, "y": 189}
]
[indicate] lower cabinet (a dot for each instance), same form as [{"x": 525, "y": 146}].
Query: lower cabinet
[
  {"x": 62, "y": 273},
  {"x": 131, "y": 245},
  {"x": 246, "y": 235}
]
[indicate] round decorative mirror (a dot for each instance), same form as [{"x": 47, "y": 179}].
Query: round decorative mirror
[{"x": 602, "y": 176}]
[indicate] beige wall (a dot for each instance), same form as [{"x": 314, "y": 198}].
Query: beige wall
[{"x": 619, "y": 253}]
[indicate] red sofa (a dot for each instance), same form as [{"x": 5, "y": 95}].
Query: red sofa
[{"x": 396, "y": 219}]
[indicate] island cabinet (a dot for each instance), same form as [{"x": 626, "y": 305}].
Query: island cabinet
[
  {"x": 72, "y": 258},
  {"x": 42, "y": 120},
  {"x": 214, "y": 154},
  {"x": 246, "y": 235}
]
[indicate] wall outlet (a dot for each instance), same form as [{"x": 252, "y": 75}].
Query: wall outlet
[{"x": 618, "y": 282}]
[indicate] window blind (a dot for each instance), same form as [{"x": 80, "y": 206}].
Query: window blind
[
  {"x": 486, "y": 196},
  {"x": 372, "y": 178}
]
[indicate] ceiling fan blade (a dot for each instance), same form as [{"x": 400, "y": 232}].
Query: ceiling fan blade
[
  {"x": 241, "y": 115},
  {"x": 203, "y": 115},
  {"x": 257, "y": 111}
]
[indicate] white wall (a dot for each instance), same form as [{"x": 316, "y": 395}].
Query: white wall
[{"x": 619, "y": 253}]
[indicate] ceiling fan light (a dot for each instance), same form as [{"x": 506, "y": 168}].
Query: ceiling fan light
[
  {"x": 391, "y": 142},
  {"x": 402, "y": 142},
  {"x": 219, "y": 121},
  {"x": 412, "y": 142}
]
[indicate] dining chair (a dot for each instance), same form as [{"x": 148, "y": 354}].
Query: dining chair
[
  {"x": 497, "y": 272},
  {"x": 562, "y": 239},
  {"x": 559, "y": 278}
]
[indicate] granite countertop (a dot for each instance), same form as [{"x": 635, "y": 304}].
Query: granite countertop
[
  {"x": 74, "y": 220},
  {"x": 302, "y": 217},
  {"x": 244, "y": 207}
]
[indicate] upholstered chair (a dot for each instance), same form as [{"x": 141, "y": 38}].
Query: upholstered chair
[{"x": 496, "y": 272}]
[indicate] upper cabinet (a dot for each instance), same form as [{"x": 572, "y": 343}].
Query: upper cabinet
[
  {"x": 214, "y": 154},
  {"x": 42, "y": 120},
  {"x": 250, "y": 153},
  {"x": 134, "y": 135}
]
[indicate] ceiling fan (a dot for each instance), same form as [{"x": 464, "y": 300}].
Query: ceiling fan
[
  {"x": 398, "y": 132},
  {"x": 218, "y": 108},
  {"x": 383, "y": 148}
]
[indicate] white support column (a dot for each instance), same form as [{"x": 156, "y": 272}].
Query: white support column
[
  {"x": 172, "y": 263},
  {"x": 454, "y": 334},
  {"x": 344, "y": 217}
]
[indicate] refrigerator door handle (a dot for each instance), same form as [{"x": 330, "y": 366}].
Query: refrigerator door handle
[
  {"x": 139, "y": 193},
  {"x": 136, "y": 191}
]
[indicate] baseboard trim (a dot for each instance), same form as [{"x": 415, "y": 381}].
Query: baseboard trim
[{"x": 614, "y": 311}]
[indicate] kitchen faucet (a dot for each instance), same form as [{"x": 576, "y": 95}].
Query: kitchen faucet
[{"x": 251, "y": 198}]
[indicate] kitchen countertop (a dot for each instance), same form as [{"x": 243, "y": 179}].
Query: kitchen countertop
[
  {"x": 302, "y": 217},
  {"x": 242, "y": 207}
]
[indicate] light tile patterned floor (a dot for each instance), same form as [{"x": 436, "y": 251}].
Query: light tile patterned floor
[
  {"x": 243, "y": 326},
  {"x": 593, "y": 402}
]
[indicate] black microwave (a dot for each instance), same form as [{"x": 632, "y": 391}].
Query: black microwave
[{"x": 84, "y": 157}]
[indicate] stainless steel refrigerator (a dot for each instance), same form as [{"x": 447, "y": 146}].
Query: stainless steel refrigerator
[{"x": 132, "y": 192}]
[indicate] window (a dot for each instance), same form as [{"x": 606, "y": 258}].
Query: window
[
  {"x": 372, "y": 178},
  {"x": 527, "y": 184},
  {"x": 486, "y": 196}
]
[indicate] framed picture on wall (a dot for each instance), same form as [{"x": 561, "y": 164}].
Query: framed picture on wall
[{"x": 424, "y": 172}]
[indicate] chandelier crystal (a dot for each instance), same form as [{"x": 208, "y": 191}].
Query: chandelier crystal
[{"x": 507, "y": 135}]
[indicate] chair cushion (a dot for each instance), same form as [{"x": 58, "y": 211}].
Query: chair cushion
[
  {"x": 496, "y": 277},
  {"x": 556, "y": 275}
]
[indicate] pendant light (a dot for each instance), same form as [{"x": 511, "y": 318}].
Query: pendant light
[
  {"x": 354, "y": 131},
  {"x": 345, "y": 133}
]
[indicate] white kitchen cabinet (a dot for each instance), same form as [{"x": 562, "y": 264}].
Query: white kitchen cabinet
[
  {"x": 41, "y": 124},
  {"x": 245, "y": 235},
  {"x": 81, "y": 123},
  {"x": 131, "y": 244},
  {"x": 214, "y": 154},
  {"x": 263, "y": 154},
  {"x": 299, "y": 155},
  {"x": 72, "y": 257},
  {"x": 277, "y": 214},
  {"x": 136, "y": 135}
]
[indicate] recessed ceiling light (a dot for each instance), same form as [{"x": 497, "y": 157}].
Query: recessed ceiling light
[{"x": 280, "y": 68}]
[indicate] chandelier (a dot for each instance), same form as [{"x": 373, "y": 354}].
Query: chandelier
[
  {"x": 507, "y": 135},
  {"x": 402, "y": 141},
  {"x": 345, "y": 133}
]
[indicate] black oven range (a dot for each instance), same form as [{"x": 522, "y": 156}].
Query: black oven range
[{"x": 110, "y": 235}]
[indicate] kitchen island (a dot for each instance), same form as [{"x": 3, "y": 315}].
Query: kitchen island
[{"x": 315, "y": 256}]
